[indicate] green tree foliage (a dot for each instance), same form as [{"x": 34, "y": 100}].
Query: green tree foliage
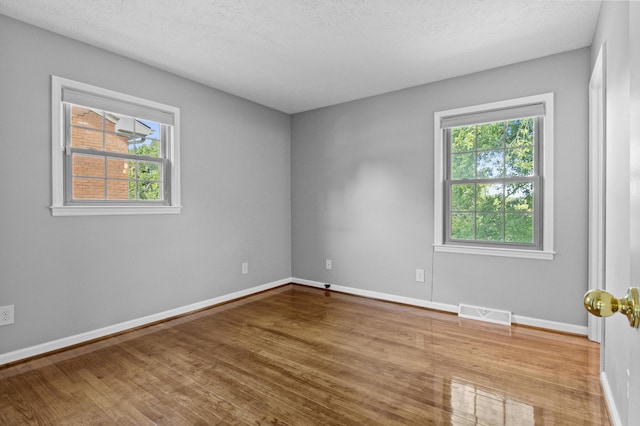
[
  {"x": 144, "y": 183},
  {"x": 497, "y": 210}
]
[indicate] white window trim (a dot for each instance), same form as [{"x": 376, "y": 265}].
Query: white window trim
[
  {"x": 547, "y": 252},
  {"x": 58, "y": 208}
]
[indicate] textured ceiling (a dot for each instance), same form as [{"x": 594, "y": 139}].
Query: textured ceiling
[{"x": 297, "y": 55}]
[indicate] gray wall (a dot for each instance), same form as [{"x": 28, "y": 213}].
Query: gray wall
[
  {"x": 67, "y": 275},
  {"x": 613, "y": 31},
  {"x": 362, "y": 195}
]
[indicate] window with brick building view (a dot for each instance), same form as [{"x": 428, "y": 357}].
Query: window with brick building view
[
  {"x": 112, "y": 153},
  {"x": 104, "y": 146}
]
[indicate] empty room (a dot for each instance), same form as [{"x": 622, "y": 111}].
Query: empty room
[{"x": 320, "y": 212}]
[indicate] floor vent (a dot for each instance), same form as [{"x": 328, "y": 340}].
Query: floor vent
[{"x": 495, "y": 316}]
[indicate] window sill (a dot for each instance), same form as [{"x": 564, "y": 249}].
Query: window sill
[
  {"x": 495, "y": 251},
  {"x": 112, "y": 210}
]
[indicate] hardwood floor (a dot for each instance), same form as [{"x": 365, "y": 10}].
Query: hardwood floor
[{"x": 303, "y": 356}]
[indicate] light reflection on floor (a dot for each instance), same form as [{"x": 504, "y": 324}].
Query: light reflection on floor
[{"x": 487, "y": 408}]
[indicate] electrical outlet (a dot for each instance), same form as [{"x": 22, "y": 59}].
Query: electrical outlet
[
  {"x": 6, "y": 315},
  {"x": 245, "y": 268},
  {"x": 328, "y": 264},
  {"x": 420, "y": 275}
]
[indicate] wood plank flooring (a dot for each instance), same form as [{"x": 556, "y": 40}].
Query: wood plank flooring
[{"x": 302, "y": 356}]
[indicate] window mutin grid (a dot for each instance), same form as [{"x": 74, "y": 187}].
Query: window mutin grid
[{"x": 491, "y": 209}]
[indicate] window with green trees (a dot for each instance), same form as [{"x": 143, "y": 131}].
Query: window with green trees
[
  {"x": 493, "y": 182},
  {"x": 493, "y": 178}
]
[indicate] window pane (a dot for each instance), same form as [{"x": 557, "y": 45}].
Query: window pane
[
  {"x": 489, "y": 197},
  {"x": 519, "y": 162},
  {"x": 518, "y": 228},
  {"x": 85, "y": 117},
  {"x": 148, "y": 147},
  {"x": 149, "y": 144},
  {"x": 491, "y": 164},
  {"x": 111, "y": 132},
  {"x": 117, "y": 189},
  {"x": 116, "y": 143},
  {"x": 463, "y": 139},
  {"x": 489, "y": 226},
  {"x": 88, "y": 188},
  {"x": 117, "y": 168},
  {"x": 519, "y": 197},
  {"x": 148, "y": 190},
  {"x": 143, "y": 136},
  {"x": 86, "y": 138},
  {"x": 520, "y": 132},
  {"x": 463, "y": 197},
  {"x": 463, "y": 166},
  {"x": 115, "y": 140},
  {"x": 462, "y": 226},
  {"x": 148, "y": 171},
  {"x": 491, "y": 136},
  {"x": 88, "y": 166}
]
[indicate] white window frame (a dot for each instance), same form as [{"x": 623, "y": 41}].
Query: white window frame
[
  {"x": 130, "y": 103},
  {"x": 546, "y": 174}
]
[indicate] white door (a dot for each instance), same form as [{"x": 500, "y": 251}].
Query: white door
[{"x": 633, "y": 380}]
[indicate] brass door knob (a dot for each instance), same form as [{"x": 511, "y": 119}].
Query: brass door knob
[{"x": 603, "y": 304}]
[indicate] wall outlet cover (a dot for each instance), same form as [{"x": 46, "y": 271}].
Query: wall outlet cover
[{"x": 6, "y": 315}]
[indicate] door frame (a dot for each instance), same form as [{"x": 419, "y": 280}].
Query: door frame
[{"x": 597, "y": 190}]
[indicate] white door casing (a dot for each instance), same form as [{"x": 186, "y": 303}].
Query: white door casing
[{"x": 597, "y": 187}]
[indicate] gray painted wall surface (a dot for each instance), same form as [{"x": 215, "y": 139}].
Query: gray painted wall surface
[
  {"x": 68, "y": 275},
  {"x": 613, "y": 31},
  {"x": 362, "y": 195}
]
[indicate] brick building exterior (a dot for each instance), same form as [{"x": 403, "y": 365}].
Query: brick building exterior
[{"x": 89, "y": 130}]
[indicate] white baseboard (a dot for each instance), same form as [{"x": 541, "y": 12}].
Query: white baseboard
[
  {"x": 516, "y": 319},
  {"x": 64, "y": 342},
  {"x": 608, "y": 397},
  {"x": 550, "y": 325},
  {"x": 381, "y": 296}
]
